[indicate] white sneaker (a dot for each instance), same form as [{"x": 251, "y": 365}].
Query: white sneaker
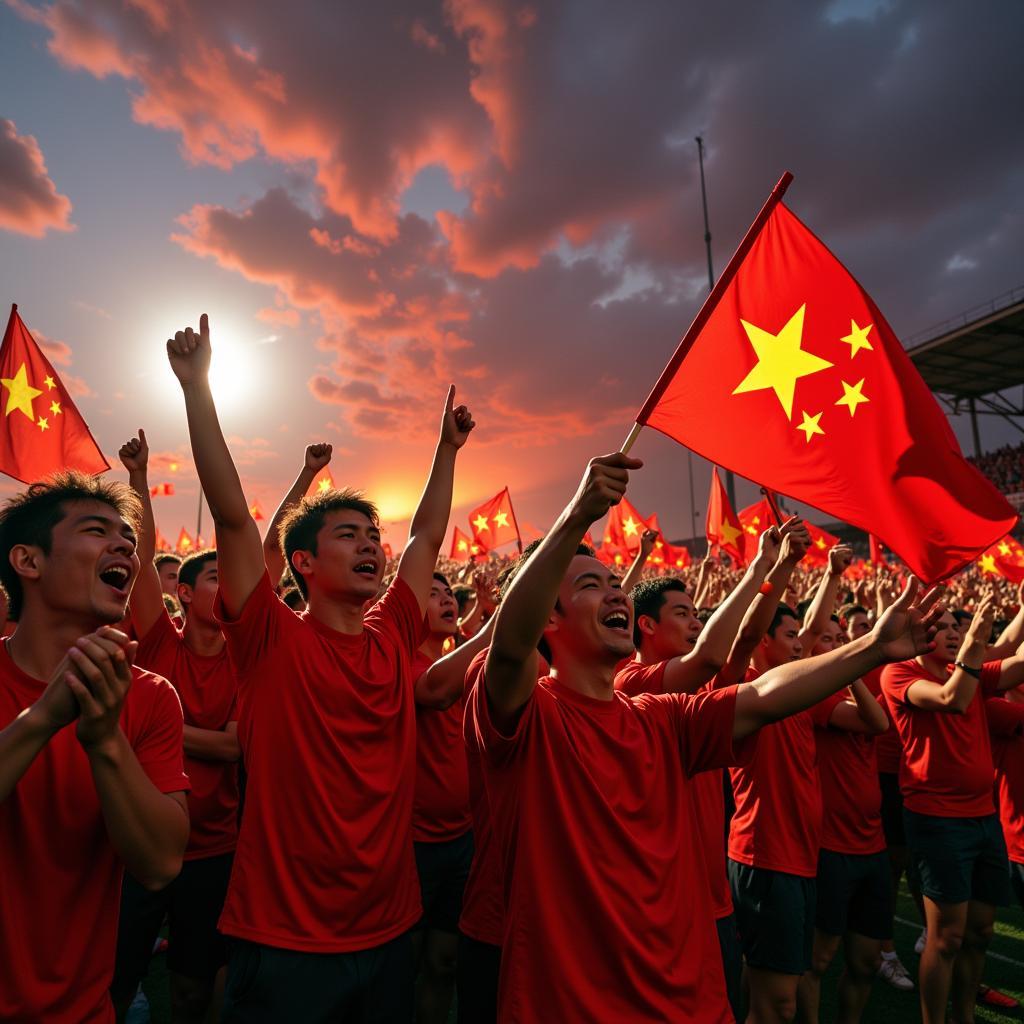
[
  {"x": 893, "y": 971},
  {"x": 921, "y": 940}
]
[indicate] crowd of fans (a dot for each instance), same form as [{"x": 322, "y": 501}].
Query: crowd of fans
[{"x": 1004, "y": 467}]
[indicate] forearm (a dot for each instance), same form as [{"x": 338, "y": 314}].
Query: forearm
[
  {"x": 700, "y": 591},
  {"x": 211, "y": 744},
  {"x": 442, "y": 684},
  {"x": 787, "y": 689},
  {"x": 217, "y": 474},
  {"x": 431, "y": 517},
  {"x": 1011, "y": 672},
  {"x": 871, "y": 712},
  {"x": 148, "y": 829},
  {"x": 138, "y": 480},
  {"x": 272, "y": 553},
  {"x": 821, "y": 608},
  {"x": 1010, "y": 638},
  {"x": 20, "y": 743},
  {"x": 718, "y": 636},
  {"x": 632, "y": 577}
]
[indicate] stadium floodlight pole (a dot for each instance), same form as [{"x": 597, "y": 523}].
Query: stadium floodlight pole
[{"x": 730, "y": 482}]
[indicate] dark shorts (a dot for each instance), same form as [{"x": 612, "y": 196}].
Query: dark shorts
[
  {"x": 732, "y": 960},
  {"x": 959, "y": 859},
  {"x": 443, "y": 869},
  {"x": 476, "y": 981},
  {"x": 192, "y": 904},
  {"x": 774, "y": 916},
  {"x": 267, "y": 985},
  {"x": 892, "y": 809},
  {"x": 1017, "y": 880},
  {"x": 854, "y": 894}
]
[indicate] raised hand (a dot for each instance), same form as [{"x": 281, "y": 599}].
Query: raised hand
[
  {"x": 979, "y": 632},
  {"x": 907, "y": 627},
  {"x": 189, "y": 353},
  {"x": 134, "y": 454},
  {"x": 796, "y": 539},
  {"x": 99, "y": 681},
  {"x": 769, "y": 543},
  {"x": 647, "y": 541},
  {"x": 457, "y": 421},
  {"x": 318, "y": 456},
  {"x": 603, "y": 485},
  {"x": 839, "y": 559}
]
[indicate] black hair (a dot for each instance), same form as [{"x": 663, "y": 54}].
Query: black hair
[
  {"x": 166, "y": 556},
  {"x": 193, "y": 565},
  {"x": 848, "y": 611},
  {"x": 648, "y": 596},
  {"x": 780, "y": 613}
]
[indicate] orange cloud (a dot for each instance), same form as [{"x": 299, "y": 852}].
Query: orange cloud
[{"x": 29, "y": 201}]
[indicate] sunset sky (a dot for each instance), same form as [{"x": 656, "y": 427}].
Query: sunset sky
[{"x": 373, "y": 199}]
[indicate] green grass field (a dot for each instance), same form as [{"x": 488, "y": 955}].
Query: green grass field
[{"x": 1004, "y": 970}]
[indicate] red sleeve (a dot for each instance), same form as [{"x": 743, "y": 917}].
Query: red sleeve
[
  {"x": 1005, "y": 718},
  {"x": 160, "y": 744},
  {"x": 398, "y": 612},
  {"x": 473, "y": 675},
  {"x": 635, "y": 678},
  {"x": 821, "y": 713},
  {"x": 897, "y": 678},
  {"x": 704, "y": 723},
  {"x": 158, "y": 639},
  {"x": 257, "y": 630},
  {"x": 990, "y": 673},
  {"x": 496, "y": 746}
]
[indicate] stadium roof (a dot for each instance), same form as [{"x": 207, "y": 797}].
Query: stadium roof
[{"x": 976, "y": 355}]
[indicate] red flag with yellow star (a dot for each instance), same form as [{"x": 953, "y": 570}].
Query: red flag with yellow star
[
  {"x": 186, "y": 545},
  {"x": 1005, "y": 558},
  {"x": 754, "y": 520},
  {"x": 821, "y": 543},
  {"x": 624, "y": 527},
  {"x": 464, "y": 548},
  {"x": 723, "y": 527},
  {"x": 791, "y": 376},
  {"x": 43, "y": 432},
  {"x": 323, "y": 484},
  {"x": 494, "y": 523}
]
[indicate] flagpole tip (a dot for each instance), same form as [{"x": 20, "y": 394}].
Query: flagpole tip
[{"x": 14, "y": 307}]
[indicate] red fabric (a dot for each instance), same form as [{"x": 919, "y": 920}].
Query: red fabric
[
  {"x": 42, "y": 431},
  {"x": 807, "y": 315},
  {"x": 464, "y": 548},
  {"x": 441, "y": 805},
  {"x": 947, "y": 758},
  {"x": 207, "y": 689},
  {"x": 780, "y": 784},
  {"x": 327, "y": 724},
  {"x": 608, "y": 911},
  {"x": 851, "y": 820},
  {"x": 821, "y": 542},
  {"x": 754, "y": 520},
  {"x": 624, "y": 528},
  {"x": 483, "y": 914},
  {"x": 1008, "y": 754},
  {"x": 722, "y": 526},
  {"x": 888, "y": 749},
  {"x": 1004, "y": 558},
  {"x": 161, "y": 491},
  {"x": 61, "y": 877},
  {"x": 185, "y": 543},
  {"x": 494, "y": 523}
]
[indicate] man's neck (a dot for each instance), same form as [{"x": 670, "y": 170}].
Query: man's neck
[
  {"x": 936, "y": 666},
  {"x": 433, "y": 646},
  {"x": 648, "y": 655},
  {"x": 43, "y": 637},
  {"x": 203, "y": 638},
  {"x": 587, "y": 676},
  {"x": 343, "y": 613}
]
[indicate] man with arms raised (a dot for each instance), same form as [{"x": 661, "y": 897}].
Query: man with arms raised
[
  {"x": 608, "y": 915},
  {"x": 91, "y": 777},
  {"x": 324, "y": 889}
]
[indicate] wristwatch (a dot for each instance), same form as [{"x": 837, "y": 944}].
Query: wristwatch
[{"x": 976, "y": 672}]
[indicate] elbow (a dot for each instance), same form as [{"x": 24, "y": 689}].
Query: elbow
[
  {"x": 161, "y": 874},
  {"x": 877, "y": 728},
  {"x": 954, "y": 704}
]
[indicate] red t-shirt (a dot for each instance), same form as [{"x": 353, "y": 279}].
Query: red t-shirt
[
  {"x": 851, "y": 799},
  {"x": 778, "y": 785},
  {"x": 207, "y": 688},
  {"x": 61, "y": 883},
  {"x": 888, "y": 749},
  {"x": 1006, "y": 722},
  {"x": 608, "y": 915},
  {"x": 441, "y": 806},
  {"x": 947, "y": 758},
  {"x": 327, "y": 724}
]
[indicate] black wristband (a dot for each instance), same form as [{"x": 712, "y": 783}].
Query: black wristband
[{"x": 976, "y": 672}]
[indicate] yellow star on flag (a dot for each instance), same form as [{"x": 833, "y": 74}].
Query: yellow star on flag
[
  {"x": 55, "y": 408},
  {"x": 811, "y": 426},
  {"x": 987, "y": 563},
  {"x": 481, "y": 523},
  {"x": 1004, "y": 548},
  {"x": 463, "y": 545},
  {"x": 629, "y": 527},
  {"x": 323, "y": 487},
  {"x": 858, "y": 338},
  {"x": 20, "y": 393},
  {"x": 820, "y": 543},
  {"x": 42, "y": 424},
  {"x": 728, "y": 532},
  {"x": 781, "y": 362},
  {"x": 501, "y": 518},
  {"x": 852, "y": 396}
]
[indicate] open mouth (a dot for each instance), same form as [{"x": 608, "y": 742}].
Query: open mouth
[
  {"x": 448, "y": 616},
  {"x": 616, "y": 620},
  {"x": 367, "y": 568},
  {"x": 116, "y": 576}
]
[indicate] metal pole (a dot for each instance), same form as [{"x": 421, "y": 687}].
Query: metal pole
[
  {"x": 730, "y": 482},
  {"x": 974, "y": 427},
  {"x": 199, "y": 516}
]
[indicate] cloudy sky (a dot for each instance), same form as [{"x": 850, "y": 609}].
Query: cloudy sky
[{"x": 372, "y": 200}]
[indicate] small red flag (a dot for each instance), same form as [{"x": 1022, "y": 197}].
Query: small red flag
[
  {"x": 1005, "y": 558},
  {"x": 723, "y": 527},
  {"x": 161, "y": 542},
  {"x": 463, "y": 547},
  {"x": 42, "y": 430},
  {"x": 877, "y": 555},
  {"x": 324, "y": 484},
  {"x": 256, "y": 512},
  {"x": 494, "y": 523},
  {"x": 789, "y": 368},
  {"x": 185, "y": 543},
  {"x": 624, "y": 528},
  {"x": 161, "y": 491},
  {"x": 821, "y": 543},
  {"x": 754, "y": 520}
]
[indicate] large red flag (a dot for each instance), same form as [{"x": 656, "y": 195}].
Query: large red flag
[
  {"x": 723, "y": 528},
  {"x": 42, "y": 431},
  {"x": 494, "y": 523},
  {"x": 790, "y": 376}
]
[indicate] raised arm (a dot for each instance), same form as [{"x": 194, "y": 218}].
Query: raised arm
[
  {"x": 442, "y": 684},
  {"x": 317, "y": 457},
  {"x": 904, "y": 631},
  {"x": 511, "y": 670},
  {"x": 823, "y": 604},
  {"x": 430, "y": 521},
  {"x": 861, "y": 714},
  {"x": 1013, "y": 635},
  {"x": 700, "y": 591},
  {"x": 632, "y": 577},
  {"x": 1011, "y": 671},
  {"x": 240, "y": 562},
  {"x": 147, "y": 601}
]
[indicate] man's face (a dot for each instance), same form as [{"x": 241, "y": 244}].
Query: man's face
[
  {"x": 91, "y": 565},
  {"x": 830, "y": 638},
  {"x": 857, "y": 625},
  {"x": 349, "y": 560},
  {"x": 676, "y": 629},
  {"x": 200, "y": 598},
  {"x": 168, "y": 571},
  {"x": 442, "y": 610},
  {"x": 783, "y": 645},
  {"x": 947, "y": 638},
  {"x": 594, "y": 618}
]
